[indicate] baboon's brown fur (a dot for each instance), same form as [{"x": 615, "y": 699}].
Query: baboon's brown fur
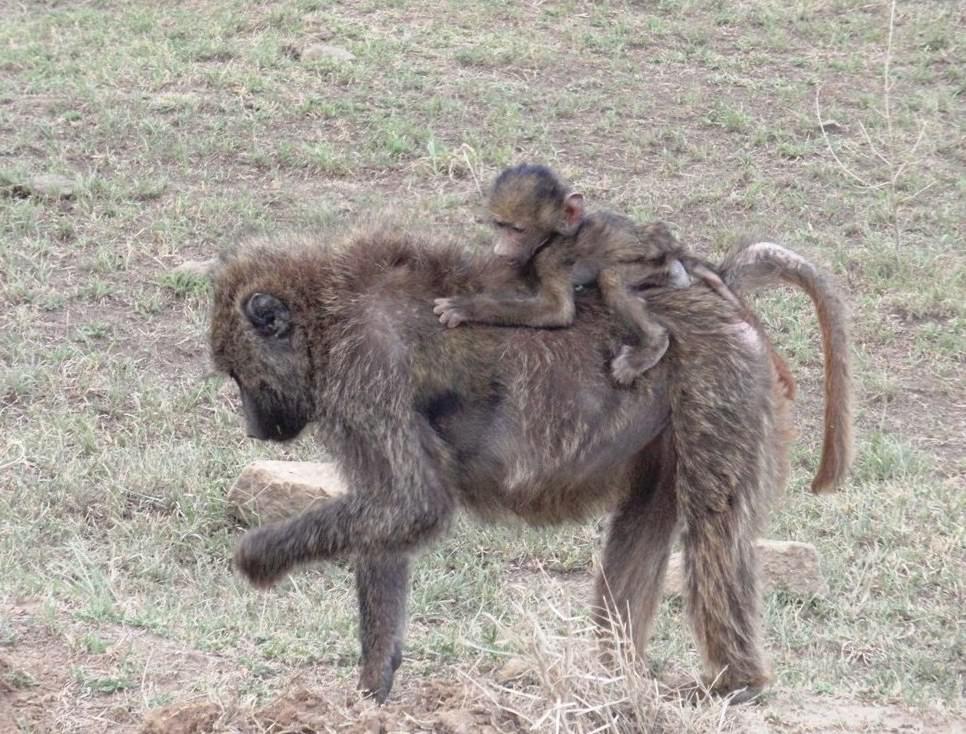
[
  {"x": 507, "y": 423},
  {"x": 551, "y": 245},
  {"x": 766, "y": 264}
]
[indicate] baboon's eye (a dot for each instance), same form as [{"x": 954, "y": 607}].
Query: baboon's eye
[
  {"x": 518, "y": 230},
  {"x": 268, "y": 315}
]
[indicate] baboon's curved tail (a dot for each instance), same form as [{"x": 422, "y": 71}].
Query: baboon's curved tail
[{"x": 765, "y": 264}]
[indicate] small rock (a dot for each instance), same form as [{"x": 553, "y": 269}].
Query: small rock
[
  {"x": 513, "y": 669},
  {"x": 785, "y": 565},
  {"x": 48, "y": 185},
  {"x": 832, "y": 127},
  {"x": 199, "y": 268},
  {"x": 458, "y": 722},
  {"x": 266, "y": 491},
  {"x": 318, "y": 51}
]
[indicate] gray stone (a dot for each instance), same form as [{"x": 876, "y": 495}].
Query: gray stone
[
  {"x": 199, "y": 268},
  {"x": 786, "y": 565},
  {"x": 274, "y": 490},
  {"x": 50, "y": 186},
  {"x": 318, "y": 51}
]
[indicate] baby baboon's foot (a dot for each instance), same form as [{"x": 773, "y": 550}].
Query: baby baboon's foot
[
  {"x": 625, "y": 366},
  {"x": 258, "y": 558},
  {"x": 632, "y": 362}
]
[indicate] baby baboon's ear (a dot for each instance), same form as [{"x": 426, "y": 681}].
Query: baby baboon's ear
[
  {"x": 268, "y": 315},
  {"x": 573, "y": 213}
]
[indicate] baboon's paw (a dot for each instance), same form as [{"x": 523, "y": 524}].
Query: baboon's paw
[
  {"x": 255, "y": 557},
  {"x": 690, "y": 692}
]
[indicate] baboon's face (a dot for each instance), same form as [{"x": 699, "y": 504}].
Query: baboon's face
[
  {"x": 526, "y": 214},
  {"x": 257, "y": 342}
]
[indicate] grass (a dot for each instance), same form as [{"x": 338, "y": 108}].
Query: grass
[{"x": 189, "y": 128}]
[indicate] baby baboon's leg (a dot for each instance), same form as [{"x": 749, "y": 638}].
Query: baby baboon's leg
[
  {"x": 653, "y": 338},
  {"x": 629, "y": 585},
  {"x": 382, "y": 584}
]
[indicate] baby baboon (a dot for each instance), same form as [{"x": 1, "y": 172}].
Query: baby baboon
[
  {"x": 507, "y": 423},
  {"x": 554, "y": 245}
]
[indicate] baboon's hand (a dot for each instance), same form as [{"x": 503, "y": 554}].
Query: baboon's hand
[
  {"x": 451, "y": 311},
  {"x": 257, "y": 557}
]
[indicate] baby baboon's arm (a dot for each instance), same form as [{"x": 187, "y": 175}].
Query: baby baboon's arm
[{"x": 551, "y": 305}]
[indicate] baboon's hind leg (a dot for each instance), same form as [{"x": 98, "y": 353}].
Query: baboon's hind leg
[
  {"x": 630, "y": 582},
  {"x": 723, "y": 472},
  {"x": 723, "y": 604},
  {"x": 382, "y": 585}
]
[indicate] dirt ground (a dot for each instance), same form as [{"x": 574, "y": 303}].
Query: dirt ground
[{"x": 38, "y": 693}]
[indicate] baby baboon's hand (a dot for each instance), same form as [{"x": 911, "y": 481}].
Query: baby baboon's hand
[
  {"x": 451, "y": 311},
  {"x": 257, "y": 557}
]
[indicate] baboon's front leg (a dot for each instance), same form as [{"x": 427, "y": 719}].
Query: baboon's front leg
[
  {"x": 403, "y": 504},
  {"x": 339, "y": 527},
  {"x": 382, "y": 585}
]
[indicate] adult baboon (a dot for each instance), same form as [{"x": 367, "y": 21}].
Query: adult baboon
[{"x": 524, "y": 423}]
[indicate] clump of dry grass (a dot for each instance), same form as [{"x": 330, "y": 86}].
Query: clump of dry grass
[
  {"x": 882, "y": 153},
  {"x": 564, "y": 684}
]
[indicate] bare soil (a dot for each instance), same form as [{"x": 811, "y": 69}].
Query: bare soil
[{"x": 48, "y": 683}]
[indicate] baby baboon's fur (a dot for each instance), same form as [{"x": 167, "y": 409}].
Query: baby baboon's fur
[
  {"x": 551, "y": 244},
  {"x": 504, "y": 422}
]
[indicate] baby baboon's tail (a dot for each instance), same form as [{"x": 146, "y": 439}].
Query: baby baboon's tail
[{"x": 765, "y": 264}]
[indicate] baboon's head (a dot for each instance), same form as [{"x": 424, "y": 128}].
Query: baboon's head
[
  {"x": 528, "y": 204},
  {"x": 260, "y": 338}
]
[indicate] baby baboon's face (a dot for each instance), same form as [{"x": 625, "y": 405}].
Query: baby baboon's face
[{"x": 528, "y": 205}]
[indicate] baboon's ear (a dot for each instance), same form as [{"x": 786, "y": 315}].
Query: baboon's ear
[
  {"x": 573, "y": 212},
  {"x": 268, "y": 315}
]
